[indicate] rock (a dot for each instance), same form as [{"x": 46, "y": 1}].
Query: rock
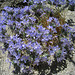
[{"x": 4, "y": 66}]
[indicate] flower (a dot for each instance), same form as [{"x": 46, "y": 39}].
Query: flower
[
  {"x": 17, "y": 56},
  {"x": 32, "y": 18},
  {"x": 40, "y": 28},
  {"x": 36, "y": 62},
  {"x": 43, "y": 59},
  {"x": 24, "y": 1},
  {"x": 50, "y": 27},
  {"x": 50, "y": 19},
  {"x": 49, "y": 62},
  {"x": 62, "y": 55},
  {"x": 36, "y": 1}
]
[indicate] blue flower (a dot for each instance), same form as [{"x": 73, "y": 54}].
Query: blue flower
[
  {"x": 51, "y": 52},
  {"x": 41, "y": 28},
  {"x": 42, "y": 1},
  {"x": 16, "y": 61},
  {"x": 4, "y": 26},
  {"x": 16, "y": 10},
  {"x": 46, "y": 37},
  {"x": 50, "y": 27},
  {"x": 62, "y": 55},
  {"x": 50, "y": 19},
  {"x": 14, "y": 53},
  {"x": 22, "y": 66},
  {"x": 46, "y": 32},
  {"x": 32, "y": 31},
  {"x": 5, "y": 8},
  {"x": 49, "y": 62},
  {"x": 23, "y": 59},
  {"x": 9, "y": 22},
  {"x": 31, "y": 50},
  {"x": 32, "y": 18},
  {"x": 36, "y": 62},
  {"x": 24, "y": 1},
  {"x": 56, "y": 48},
  {"x": 36, "y": 1},
  {"x": 38, "y": 35},
  {"x": 71, "y": 2},
  {"x": 17, "y": 56},
  {"x": 43, "y": 59},
  {"x": 52, "y": 1}
]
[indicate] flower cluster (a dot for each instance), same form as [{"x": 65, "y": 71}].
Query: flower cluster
[
  {"x": 57, "y": 2},
  {"x": 38, "y": 37},
  {"x": 3, "y": 26},
  {"x": 71, "y": 2}
]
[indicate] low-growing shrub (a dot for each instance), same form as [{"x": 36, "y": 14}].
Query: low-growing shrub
[{"x": 39, "y": 36}]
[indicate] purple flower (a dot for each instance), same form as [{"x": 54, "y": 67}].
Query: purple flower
[
  {"x": 46, "y": 32},
  {"x": 22, "y": 66},
  {"x": 62, "y": 55},
  {"x": 16, "y": 61},
  {"x": 56, "y": 48},
  {"x": 24, "y": 1},
  {"x": 50, "y": 19},
  {"x": 17, "y": 56},
  {"x": 71, "y": 2},
  {"x": 24, "y": 46},
  {"x": 72, "y": 29},
  {"x": 31, "y": 50},
  {"x": 41, "y": 29},
  {"x": 64, "y": 52},
  {"x": 4, "y": 26},
  {"x": 9, "y": 22},
  {"x": 38, "y": 35},
  {"x": 43, "y": 59},
  {"x": 49, "y": 62},
  {"x": 26, "y": 8},
  {"x": 16, "y": 10},
  {"x": 14, "y": 53},
  {"x": 54, "y": 30},
  {"x": 32, "y": 18},
  {"x": 50, "y": 27},
  {"x": 6, "y": 7},
  {"x": 46, "y": 37},
  {"x": 25, "y": 58},
  {"x": 52, "y": 1},
  {"x": 51, "y": 52},
  {"x": 42, "y": 1},
  {"x": 36, "y": 1},
  {"x": 32, "y": 32},
  {"x": 39, "y": 52},
  {"x": 36, "y": 62}
]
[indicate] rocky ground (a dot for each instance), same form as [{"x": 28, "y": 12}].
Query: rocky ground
[{"x": 69, "y": 70}]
